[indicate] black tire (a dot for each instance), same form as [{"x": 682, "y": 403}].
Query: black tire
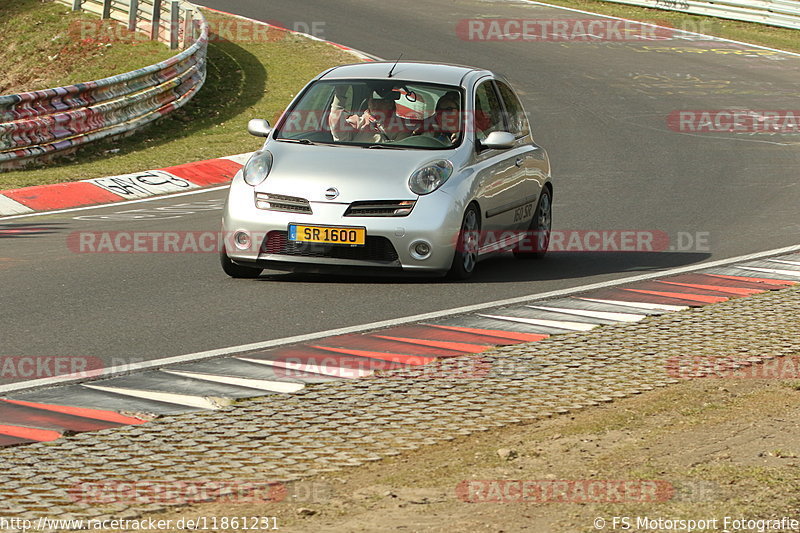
[
  {"x": 465, "y": 259},
  {"x": 538, "y": 239},
  {"x": 237, "y": 271}
]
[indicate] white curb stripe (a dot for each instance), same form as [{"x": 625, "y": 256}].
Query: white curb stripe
[
  {"x": 794, "y": 263},
  {"x": 573, "y": 326},
  {"x": 791, "y": 273},
  {"x": 604, "y": 315},
  {"x": 260, "y": 384},
  {"x": 335, "y": 371},
  {"x": 640, "y": 305},
  {"x": 12, "y": 207},
  {"x": 203, "y": 402}
]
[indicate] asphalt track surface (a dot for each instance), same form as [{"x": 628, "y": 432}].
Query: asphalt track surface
[{"x": 600, "y": 110}]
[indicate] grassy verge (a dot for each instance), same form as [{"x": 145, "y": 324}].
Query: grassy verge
[
  {"x": 725, "y": 448},
  {"x": 46, "y": 44},
  {"x": 250, "y": 78}
]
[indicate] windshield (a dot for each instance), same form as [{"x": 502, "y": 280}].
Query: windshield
[{"x": 376, "y": 113}]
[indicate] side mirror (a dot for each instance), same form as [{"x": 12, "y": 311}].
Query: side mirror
[
  {"x": 499, "y": 140},
  {"x": 259, "y": 127}
]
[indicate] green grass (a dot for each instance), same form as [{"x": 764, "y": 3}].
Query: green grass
[
  {"x": 245, "y": 80},
  {"x": 45, "y": 45}
]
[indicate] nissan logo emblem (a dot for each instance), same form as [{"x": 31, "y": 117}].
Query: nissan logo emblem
[{"x": 331, "y": 193}]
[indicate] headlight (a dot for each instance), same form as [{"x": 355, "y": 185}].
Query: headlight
[
  {"x": 430, "y": 177},
  {"x": 257, "y": 167}
]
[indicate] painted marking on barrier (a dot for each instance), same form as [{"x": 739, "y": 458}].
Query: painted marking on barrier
[
  {"x": 558, "y": 324},
  {"x": 210, "y": 172},
  {"x": 260, "y": 384},
  {"x": 604, "y": 315},
  {"x": 12, "y": 207},
  {"x": 144, "y": 184}
]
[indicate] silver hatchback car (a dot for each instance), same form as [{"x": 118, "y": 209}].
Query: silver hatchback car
[{"x": 382, "y": 167}]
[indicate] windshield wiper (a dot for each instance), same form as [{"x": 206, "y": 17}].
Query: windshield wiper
[
  {"x": 384, "y": 147},
  {"x": 298, "y": 141}
]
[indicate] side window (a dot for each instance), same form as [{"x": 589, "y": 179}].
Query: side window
[
  {"x": 515, "y": 116},
  {"x": 488, "y": 113}
]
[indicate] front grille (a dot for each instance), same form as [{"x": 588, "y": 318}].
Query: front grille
[
  {"x": 375, "y": 248},
  {"x": 279, "y": 202},
  {"x": 380, "y": 208}
]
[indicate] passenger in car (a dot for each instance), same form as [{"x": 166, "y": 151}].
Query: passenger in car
[
  {"x": 444, "y": 125},
  {"x": 378, "y": 124}
]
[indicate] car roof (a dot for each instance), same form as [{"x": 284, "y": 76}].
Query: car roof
[{"x": 440, "y": 73}]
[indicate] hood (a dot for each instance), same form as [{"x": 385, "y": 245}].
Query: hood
[{"x": 357, "y": 173}]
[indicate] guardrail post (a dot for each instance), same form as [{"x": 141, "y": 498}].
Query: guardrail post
[
  {"x": 174, "y": 24},
  {"x": 132, "y": 14},
  {"x": 188, "y": 27},
  {"x": 76, "y": 5},
  {"x": 156, "y": 20},
  {"x": 106, "y": 9}
]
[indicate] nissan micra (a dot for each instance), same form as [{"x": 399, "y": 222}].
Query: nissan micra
[{"x": 404, "y": 167}]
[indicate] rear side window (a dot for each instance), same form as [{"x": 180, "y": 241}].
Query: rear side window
[
  {"x": 515, "y": 116},
  {"x": 488, "y": 112}
]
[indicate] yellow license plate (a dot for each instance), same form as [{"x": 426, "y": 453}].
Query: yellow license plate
[{"x": 353, "y": 236}]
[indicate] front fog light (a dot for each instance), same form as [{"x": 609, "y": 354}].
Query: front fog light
[
  {"x": 242, "y": 240},
  {"x": 420, "y": 250}
]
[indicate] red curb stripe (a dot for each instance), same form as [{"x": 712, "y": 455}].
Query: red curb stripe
[
  {"x": 211, "y": 172},
  {"x": 422, "y": 331},
  {"x": 383, "y": 356},
  {"x": 457, "y": 346},
  {"x": 740, "y": 291},
  {"x": 84, "y": 412},
  {"x": 38, "y": 435},
  {"x": 6, "y": 440},
  {"x": 511, "y": 335},
  {"x": 309, "y": 355},
  {"x": 766, "y": 281},
  {"x": 683, "y": 296},
  {"x": 61, "y": 195},
  {"x": 369, "y": 342}
]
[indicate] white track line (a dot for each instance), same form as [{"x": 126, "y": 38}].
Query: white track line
[{"x": 154, "y": 363}]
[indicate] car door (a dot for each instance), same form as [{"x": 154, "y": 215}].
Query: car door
[
  {"x": 528, "y": 158},
  {"x": 497, "y": 172}
]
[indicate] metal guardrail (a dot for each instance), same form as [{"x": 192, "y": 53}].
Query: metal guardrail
[
  {"x": 40, "y": 123},
  {"x": 783, "y": 13}
]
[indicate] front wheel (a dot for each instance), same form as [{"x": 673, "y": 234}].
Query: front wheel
[
  {"x": 466, "y": 257},
  {"x": 537, "y": 240},
  {"x": 237, "y": 271}
]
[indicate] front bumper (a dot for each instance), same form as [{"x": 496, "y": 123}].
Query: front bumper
[{"x": 434, "y": 220}]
